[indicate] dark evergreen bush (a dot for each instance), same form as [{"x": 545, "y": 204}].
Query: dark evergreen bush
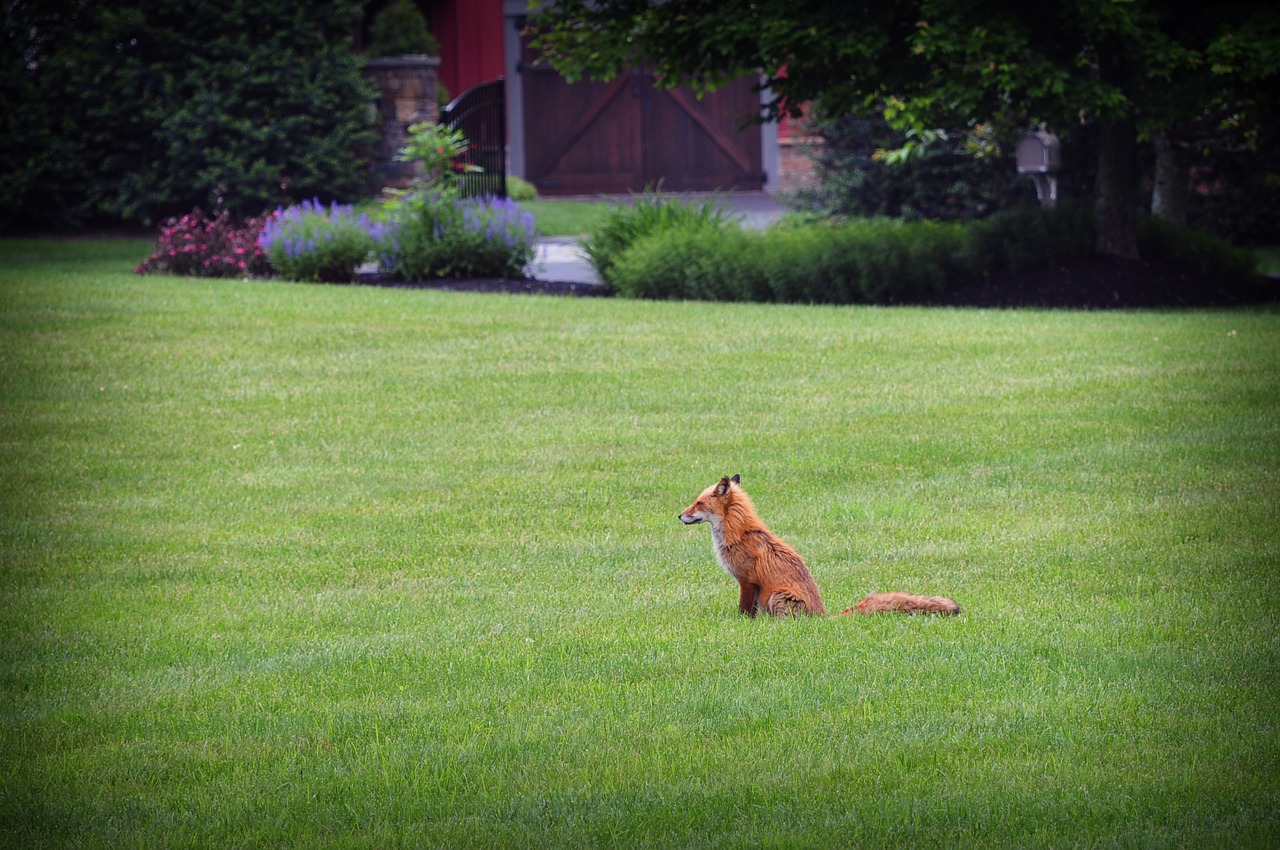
[
  {"x": 1195, "y": 249},
  {"x": 941, "y": 180},
  {"x": 1236, "y": 193},
  {"x": 401, "y": 29},
  {"x": 135, "y": 111}
]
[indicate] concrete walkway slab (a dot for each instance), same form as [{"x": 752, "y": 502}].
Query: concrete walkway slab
[{"x": 560, "y": 259}]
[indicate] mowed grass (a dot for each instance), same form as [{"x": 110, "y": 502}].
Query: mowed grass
[
  {"x": 323, "y": 566},
  {"x": 561, "y": 217}
]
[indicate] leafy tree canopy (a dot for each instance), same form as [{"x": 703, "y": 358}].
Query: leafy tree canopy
[{"x": 1133, "y": 67}]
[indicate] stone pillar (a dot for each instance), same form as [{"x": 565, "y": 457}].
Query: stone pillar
[{"x": 406, "y": 87}]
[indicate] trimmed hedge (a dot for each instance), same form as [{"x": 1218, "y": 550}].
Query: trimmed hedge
[
  {"x": 1194, "y": 248},
  {"x": 876, "y": 261}
]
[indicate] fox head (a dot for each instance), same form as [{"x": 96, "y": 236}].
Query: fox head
[{"x": 710, "y": 506}]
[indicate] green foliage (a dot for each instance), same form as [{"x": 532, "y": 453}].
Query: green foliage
[
  {"x": 317, "y": 244},
  {"x": 1236, "y": 187},
  {"x": 715, "y": 264},
  {"x": 519, "y": 189},
  {"x": 137, "y": 112},
  {"x": 871, "y": 261},
  {"x": 1130, "y": 67},
  {"x": 866, "y": 260},
  {"x": 882, "y": 260},
  {"x": 941, "y": 63},
  {"x": 435, "y": 149},
  {"x": 1268, "y": 260},
  {"x": 1017, "y": 240},
  {"x": 863, "y": 169},
  {"x": 648, "y": 213},
  {"x": 400, "y": 29},
  {"x": 1195, "y": 249},
  {"x": 430, "y": 235}
]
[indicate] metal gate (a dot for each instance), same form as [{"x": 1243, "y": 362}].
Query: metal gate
[{"x": 480, "y": 113}]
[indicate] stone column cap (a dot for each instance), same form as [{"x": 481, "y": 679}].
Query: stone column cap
[{"x": 410, "y": 60}]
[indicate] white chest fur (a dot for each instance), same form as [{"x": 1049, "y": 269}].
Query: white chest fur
[{"x": 717, "y": 545}]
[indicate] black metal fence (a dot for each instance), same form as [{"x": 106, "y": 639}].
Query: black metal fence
[{"x": 480, "y": 113}]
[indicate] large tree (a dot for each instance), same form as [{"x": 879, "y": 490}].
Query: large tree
[{"x": 1134, "y": 69}]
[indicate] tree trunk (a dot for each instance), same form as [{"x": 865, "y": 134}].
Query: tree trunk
[
  {"x": 1116, "y": 191},
  {"x": 1173, "y": 164}
]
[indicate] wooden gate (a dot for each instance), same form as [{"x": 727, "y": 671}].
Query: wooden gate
[
  {"x": 626, "y": 134},
  {"x": 481, "y": 114}
]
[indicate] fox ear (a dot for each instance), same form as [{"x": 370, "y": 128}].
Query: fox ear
[
  {"x": 736, "y": 479},
  {"x": 722, "y": 487}
]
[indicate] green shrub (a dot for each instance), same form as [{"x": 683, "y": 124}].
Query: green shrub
[
  {"x": 648, "y": 214},
  {"x": 883, "y": 260},
  {"x": 959, "y": 176},
  {"x": 139, "y": 111},
  {"x": 873, "y": 261},
  {"x": 318, "y": 244},
  {"x": 710, "y": 263},
  {"x": 400, "y": 29},
  {"x": 815, "y": 280},
  {"x": 437, "y": 152},
  {"x": 1236, "y": 187},
  {"x": 1159, "y": 239},
  {"x": 519, "y": 189},
  {"x": 1026, "y": 238},
  {"x": 431, "y": 235}
]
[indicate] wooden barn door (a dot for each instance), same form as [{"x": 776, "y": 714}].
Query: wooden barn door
[{"x": 626, "y": 134}]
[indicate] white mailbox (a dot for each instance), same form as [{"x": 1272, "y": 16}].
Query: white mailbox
[{"x": 1040, "y": 155}]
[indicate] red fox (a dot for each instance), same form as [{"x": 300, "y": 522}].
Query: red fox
[{"x": 771, "y": 575}]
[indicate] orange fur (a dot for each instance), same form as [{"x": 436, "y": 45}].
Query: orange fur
[
  {"x": 903, "y": 603},
  {"x": 771, "y": 576}
]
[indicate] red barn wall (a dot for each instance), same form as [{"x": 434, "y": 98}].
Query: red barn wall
[{"x": 470, "y": 35}]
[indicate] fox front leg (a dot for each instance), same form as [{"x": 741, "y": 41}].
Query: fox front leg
[{"x": 748, "y": 598}]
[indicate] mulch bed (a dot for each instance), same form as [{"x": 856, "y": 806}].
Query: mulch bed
[{"x": 1108, "y": 283}]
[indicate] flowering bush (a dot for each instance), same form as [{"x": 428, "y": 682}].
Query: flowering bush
[
  {"x": 202, "y": 246},
  {"x": 434, "y": 236},
  {"x": 312, "y": 242}
]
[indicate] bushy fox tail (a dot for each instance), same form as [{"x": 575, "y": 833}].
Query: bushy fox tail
[{"x": 903, "y": 603}]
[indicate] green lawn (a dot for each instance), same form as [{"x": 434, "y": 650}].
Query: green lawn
[
  {"x": 559, "y": 217},
  {"x": 325, "y": 566}
]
